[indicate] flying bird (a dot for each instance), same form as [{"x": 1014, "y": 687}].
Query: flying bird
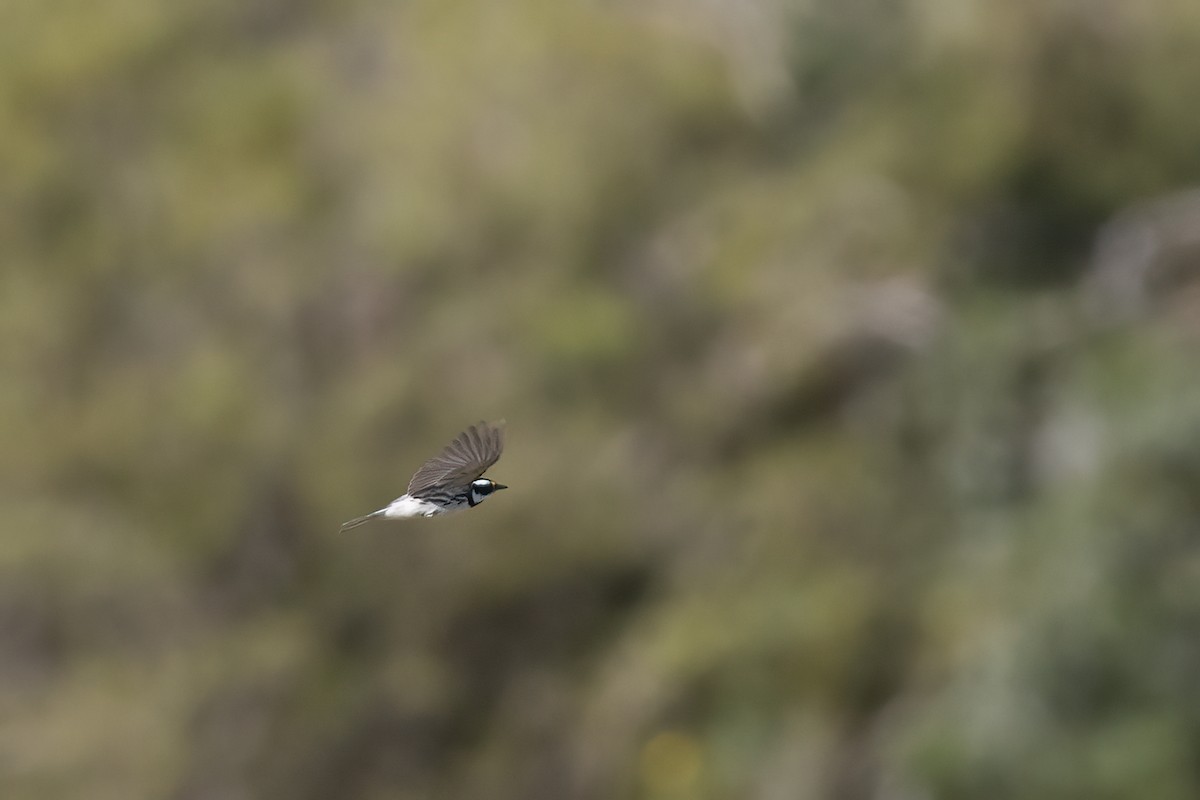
[{"x": 450, "y": 481}]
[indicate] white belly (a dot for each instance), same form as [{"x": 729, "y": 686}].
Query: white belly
[{"x": 405, "y": 506}]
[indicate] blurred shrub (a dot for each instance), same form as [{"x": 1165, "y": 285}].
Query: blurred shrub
[{"x": 843, "y": 464}]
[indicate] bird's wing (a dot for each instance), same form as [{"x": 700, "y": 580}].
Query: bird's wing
[{"x": 462, "y": 461}]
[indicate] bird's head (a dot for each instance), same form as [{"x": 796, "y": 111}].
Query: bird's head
[{"x": 483, "y": 487}]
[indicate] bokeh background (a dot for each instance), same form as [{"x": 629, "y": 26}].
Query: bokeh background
[{"x": 848, "y": 348}]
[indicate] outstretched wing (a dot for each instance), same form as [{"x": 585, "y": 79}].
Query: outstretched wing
[{"x": 462, "y": 461}]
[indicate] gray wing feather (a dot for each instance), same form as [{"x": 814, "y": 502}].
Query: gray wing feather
[{"x": 461, "y": 461}]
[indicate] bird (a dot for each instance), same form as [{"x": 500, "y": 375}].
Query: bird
[{"x": 450, "y": 481}]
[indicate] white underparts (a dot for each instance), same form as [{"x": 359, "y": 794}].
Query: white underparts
[{"x": 405, "y": 506}]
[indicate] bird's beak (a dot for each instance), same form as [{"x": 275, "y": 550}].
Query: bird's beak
[{"x": 499, "y": 486}]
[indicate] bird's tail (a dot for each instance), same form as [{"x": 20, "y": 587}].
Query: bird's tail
[{"x": 354, "y": 523}]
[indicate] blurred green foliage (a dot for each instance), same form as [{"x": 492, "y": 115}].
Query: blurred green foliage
[{"x": 848, "y": 351}]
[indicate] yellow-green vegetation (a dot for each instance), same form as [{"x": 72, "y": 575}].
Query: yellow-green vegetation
[{"x": 849, "y": 352}]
